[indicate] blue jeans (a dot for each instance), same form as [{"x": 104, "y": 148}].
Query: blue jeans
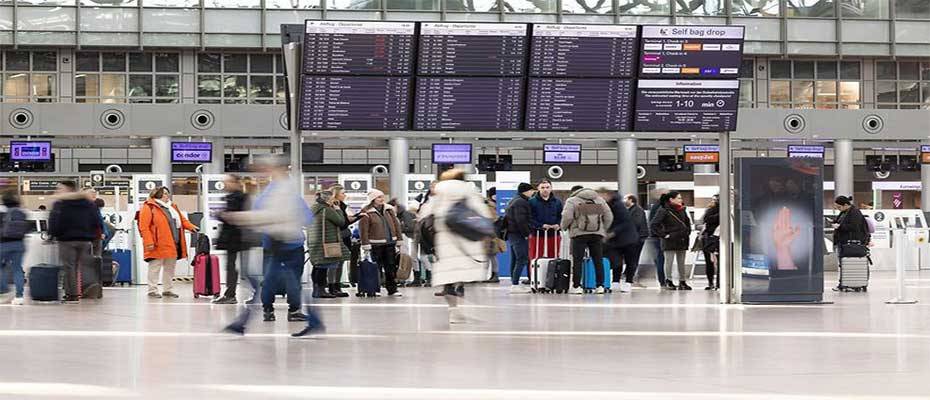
[
  {"x": 289, "y": 262},
  {"x": 11, "y": 259},
  {"x": 519, "y": 248},
  {"x": 659, "y": 259}
]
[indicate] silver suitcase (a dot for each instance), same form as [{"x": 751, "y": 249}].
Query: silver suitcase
[{"x": 854, "y": 274}]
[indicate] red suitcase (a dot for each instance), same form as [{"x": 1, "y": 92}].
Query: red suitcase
[{"x": 206, "y": 275}]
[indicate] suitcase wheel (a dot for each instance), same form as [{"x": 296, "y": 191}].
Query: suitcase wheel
[{"x": 196, "y": 296}]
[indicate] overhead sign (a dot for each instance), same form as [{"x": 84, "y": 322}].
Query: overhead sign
[
  {"x": 562, "y": 154},
  {"x": 686, "y": 105},
  {"x": 452, "y": 153},
  {"x": 39, "y": 185},
  {"x": 925, "y": 154},
  {"x": 702, "y": 52},
  {"x": 798, "y": 151},
  {"x": 191, "y": 152},
  {"x": 30, "y": 151},
  {"x": 702, "y": 153}
]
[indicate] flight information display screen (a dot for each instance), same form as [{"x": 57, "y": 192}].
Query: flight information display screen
[
  {"x": 468, "y": 104},
  {"x": 565, "y": 104},
  {"x": 594, "y": 51},
  {"x": 358, "y": 48},
  {"x": 699, "y": 52},
  {"x": 355, "y": 103},
  {"x": 472, "y": 49},
  {"x": 686, "y": 105}
]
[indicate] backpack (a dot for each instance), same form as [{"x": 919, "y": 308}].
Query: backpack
[
  {"x": 428, "y": 234},
  {"x": 463, "y": 221},
  {"x": 203, "y": 244},
  {"x": 588, "y": 216},
  {"x": 869, "y": 224}
]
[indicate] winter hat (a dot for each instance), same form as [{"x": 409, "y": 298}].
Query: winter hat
[
  {"x": 326, "y": 195},
  {"x": 374, "y": 193},
  {"x": 524, "y": 187},
  {"x": 491, "y": 192}
]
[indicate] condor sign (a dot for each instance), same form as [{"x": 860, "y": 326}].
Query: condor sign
[{"x": 702, "y": 154}]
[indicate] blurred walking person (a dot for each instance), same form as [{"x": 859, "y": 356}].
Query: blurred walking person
[
  {"x": 672, "y": 225},
  {"x": 13, "y": 231},
  {"x": 75, "y": 223},
  {"x": 232, "y": 237},
  {"x": 162, "y": 225}
]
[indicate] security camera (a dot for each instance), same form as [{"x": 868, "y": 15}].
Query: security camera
[
  {"x": 882, "y": 174},
  {"x": 379, "y": 170},
  {"x": 555, "y": 172},
  {"x": 114, "y": 169},
  {"x": 640, "y": 172}
]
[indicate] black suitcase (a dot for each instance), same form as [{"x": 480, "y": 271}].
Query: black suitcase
[
  {"x": 43, "y": 282},
  {"x": 355, "y": 251},
  {"x": 559, "y": 275},
  {"x": 107, "y": 275}
]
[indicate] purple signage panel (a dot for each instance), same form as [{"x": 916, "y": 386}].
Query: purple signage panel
[
  {"x": 797, "y": 151},
  {"x": 452, "y": 153},
  {"x": 30, "y": 151},
  {"x": 562, "y": 154},
  {"x": 686, "y": 105},
  {"x": 697, "y": 52},
  {"x": 191, "y": 152}
]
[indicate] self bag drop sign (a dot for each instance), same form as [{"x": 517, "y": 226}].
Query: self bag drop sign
[
  {"x": 702, "y": 154},
  {"x": 191, "y": 152}
]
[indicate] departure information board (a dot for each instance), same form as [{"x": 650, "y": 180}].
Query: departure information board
[
  {"x": 702, "y": 52},
  {"x": 589, "y": 51},
  {"x": 467, "y": 104},
  {"x": 565, "y": 104},
  {"x": 358, "y": 48},
  {"x": 355, "y": 103},
  {"x": 472, "y": 49},
  {"x": 686, "y": 105}
]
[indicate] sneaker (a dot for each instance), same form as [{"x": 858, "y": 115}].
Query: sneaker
[
  {"x": 18, "y": 301},
  {"x": 626, "y": 287},
  {"x": 225, "y": 300},
  {"x": 170, "y": 295},
  {"x": 599, "y": 290},
  {"x": 235, "y": 329},
  {"x": 396, "y": 294},
  {"x": 683, "y": 286},
  {"x": 669, "y": 285},
  {"x": 517, "y": 289},
  {"x": 268, "y": 316},
  {"x": 576, "y": 290},
  {"x": 310, "y": 330},
  {"x": 154, "y": 295},
  {"x": 296, "y": 316}
]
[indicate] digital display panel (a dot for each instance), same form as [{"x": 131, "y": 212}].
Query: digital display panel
[
  {"x": 702, "y": 153},
  {"x": 355, "y": 103},
  {"x": 191, "y": 152},
  {"x": 701, "y": 52},
  {"x": 469, "y": 104},
  {"x": 472, "y": 49},
  {"x": 451, "y": 153},
  {"x": 686, "y": 105},
  {"x": 30, "y": 151},
  {"x": 805, "y": 151},
  {"x": 565, "y": 104},
  {"x": 358, "y": 47},
  {"x": 583, "y": 51},
  {"x": 562, "y": 154}
]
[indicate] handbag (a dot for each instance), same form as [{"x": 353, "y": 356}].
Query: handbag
[
  {"x": 330, "y": 250},
  {"x": 468, "y": 223},
  {"x": 853, "y": 249}
]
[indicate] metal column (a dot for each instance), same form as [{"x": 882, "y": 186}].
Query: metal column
[
  {"x": 161, "y": 158},
  {"x": 292, "y": 65},
  {"x": 218, "y": 162},
  {"x": 626, "y": 167},
  {"x": 730, "y": 285},
  {"x": 843, "y": 167},
  {"x": 399, "y": 166}
]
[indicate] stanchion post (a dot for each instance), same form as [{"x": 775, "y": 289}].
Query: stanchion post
[{"x": 899, "y": 242}]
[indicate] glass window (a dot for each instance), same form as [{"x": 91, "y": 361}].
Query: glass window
[
  {"x": 17, "y": 61},
  {"x": 261, "y": 86},
  {"x": 235, "y": 62},
  {"x": 587, "y": 7},
  {"x": 887, "y": 93},
  {"x": 914, "y": 9},
  {"x": 811, "y": 8},
  {"x": 886, "y": 70},
  {"x": 16, "y": 85},
  {"x": 208, "y": 86},
  {"x": 44, "y": 85},
  {"x": 109, "y": 3},
  {"x": 745, "y": 93},
  {"x": 826, "y": 70},
  {"x": 86, "y": 85},
  {"x": 908, "y": 92},
  {"x": 804, "y": 70},
  {"x": 112, "y": 85},
  {"x": 425, "y": 5},
  {"x": 755, "y": 8},
  {"x": 925, "y": 71},
  {"x": 208, "y": 62},
  {"x": 232, "y": 3},
  {"x": 292, "y": 3},
  {"x": 140, "y": 85},
  {"x": 826, "y": 92},
  {"x": 171, "y": 3},
  {"x": 167, "y": 62},
  {"x": 909, "y": 70},
  {"x": 114, "y": 62},
  {"x": 780, "y": 91},
  {"x": 640, "y": 7},
  {"x": 140, "y": 62},
  {"x": 802, "y": 92},
  {"x": 747, "y": 69},
  {"x": 878, "y": 9},
  {"x": 700, "y": 7},
  {"x": 278, "y": 64},
  {"x": 166, "y": 86},
  {"x": 470, "y": 5},
  {"x": 780, "y": 69},
  {"x": 530, "y": 6},
  {"x": 354, "y": 4},
  {"x": 235, "y": 86},
  {"x": 261, "y": 63},
  {"x": 925, "y": 93},
  {"x": 850, "y": 70},
  {"x": 88, "y": 61},
  {"x": 45, "y": 61},
  {"x": 849, "y": 92},
  {"x": 280, "y": 89}
]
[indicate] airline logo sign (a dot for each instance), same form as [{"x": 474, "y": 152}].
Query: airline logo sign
[{"x": 702, "y": 154}]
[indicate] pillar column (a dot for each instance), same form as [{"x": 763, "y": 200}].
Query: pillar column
[
  {"x": 925, "y": 187},
  {"x": 843, "y": 167},
  {"x": 161, "y": 157},
  {"x": 627, "y": 163},
  {"x": 399, "y": 166},
  {"x": 217, "y": 164}
]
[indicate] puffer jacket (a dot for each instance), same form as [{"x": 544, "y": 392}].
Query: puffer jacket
[
  {"x": 157, "y": 238},
  {"x": 372, "y": 229},
  {"x": 545, "y": 212},
  {"x": 586, "y": 202},
  {"x": 333, "y": 220},
  {"x": 622, "y": 231},
  {"x": 673, "y": 227},
  {"x": 458, "y": 260}
]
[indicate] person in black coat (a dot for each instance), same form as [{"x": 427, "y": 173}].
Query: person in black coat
[
  {"x": 74, "y": 222},
  {"x": 711, "y": 244},
  {"x": 659, "y": 259},
  {"x": 232, "y": 236},
  {"x": 622, "y": 242},
  {"x": 517, "y": 221},
  {"x": 638, "y": 215},
  {"x": 673, "y": 227},
  {"x": 850, "y": 225}
]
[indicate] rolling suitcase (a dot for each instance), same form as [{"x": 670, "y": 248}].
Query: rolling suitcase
[
  {"x": 854, "y": 274},
  {"x": 539, "y": 273},
  {"x": 43, "y": 282},
  {"x": 123, "y": 259},
  {"x": 559, "y": 275},
  {"x": 107, "y": 270},
  {"x": 206, "y": 275},
  {"x": 369, "y": 278},
  {"x": 589, "y": 276}
]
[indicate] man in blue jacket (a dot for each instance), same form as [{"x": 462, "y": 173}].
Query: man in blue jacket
[{"x": 545, "y": 216}]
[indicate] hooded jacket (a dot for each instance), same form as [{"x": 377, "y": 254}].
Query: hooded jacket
[
  {"x": 673, "y": 227},
  {"x": 373, "y": 229},
  {"x": 518, "y": 216},
  {"x": 334, "y": 220},
  {"x": 545, "y": 212},
  {"x": 586, "y": 202},
  {"x": 638, "y": 215},
  {"x": 74, "y": 218},
  {"x": 622, "y": 231},
  {"x": 157, "y": 236}
]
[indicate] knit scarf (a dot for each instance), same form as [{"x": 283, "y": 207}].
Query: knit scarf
[
  {"x": 677, "y": 207},
  {"x": 168, "y": 205}
]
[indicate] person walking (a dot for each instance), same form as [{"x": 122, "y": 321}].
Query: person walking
[
  {"x": 459, "y": 261},
  {"x": 75, "y": 223},
  {"x": 12, "y": 232},
  {"x": 334, "y": 275},
  {"x": 659, "y": 257},
  {"x": 711, "y": 244},
  {"x": 638, "y": 215},
  {"x": 587, "y": 217},
  {"x": 622, "y": 242},
  {"x": 381, "y": 237},
  {"x": 545, "y": 217},
  {"x": 672, "y": 225},
  {"x": 162, "y": 225},
  {"x": 517, "y": 228},
  {"x": 232, "y": 238},
  {"x": 327, "y": 249}
]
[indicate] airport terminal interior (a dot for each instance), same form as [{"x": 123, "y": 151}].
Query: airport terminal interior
[{"x": 796, "y": 134}]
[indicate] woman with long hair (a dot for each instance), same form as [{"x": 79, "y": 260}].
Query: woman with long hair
[{"x": 673, "y": 227}]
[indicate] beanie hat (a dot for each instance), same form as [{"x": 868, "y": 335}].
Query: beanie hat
[
  {"x": 524, "y": 187},
  {"x": 374, "y": 193},
  {"x": 491, "y": 192}
]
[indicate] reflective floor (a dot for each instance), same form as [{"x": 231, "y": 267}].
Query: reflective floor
[{"x": 644, "y": 345}]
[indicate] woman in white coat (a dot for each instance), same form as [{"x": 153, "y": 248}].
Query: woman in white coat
[{"x": 458, "y": 260}]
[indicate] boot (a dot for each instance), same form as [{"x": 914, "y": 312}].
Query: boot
[
  {"x": 682, "y": 285},
  {"x": 335, "y": 289},
  {"x": 320, "y": 293},
  {"x": 670, "y": 285}
]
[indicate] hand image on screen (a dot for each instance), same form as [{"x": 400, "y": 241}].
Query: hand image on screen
[{"x": 783, "y": 234}]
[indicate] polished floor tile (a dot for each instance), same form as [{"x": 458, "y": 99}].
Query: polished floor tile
[{"x": 643, "y": 345}]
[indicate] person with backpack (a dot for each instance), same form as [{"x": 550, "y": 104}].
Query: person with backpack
[
  {"x": 516, "y": 226},
  {"x": 587, "y": 218},
  {"x": 327, "y": 249},
  {"x": 232, "y": 238},
  {"x": 673, "y": 227},
  {"x": 381, "y": 237},
  {"x": 162, "y": 225},
  {"x": 13, "y": 229},
  {"x": 75, "y": 223},
  {"x": 460, "y": 259}
]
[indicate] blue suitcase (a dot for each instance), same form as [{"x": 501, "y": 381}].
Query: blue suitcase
[
  {"x": 123, "y": 258},
  {"x": 369, "y": 278},
  {"x": 43, "y": 282},
  {"x": 589, "y": 277}
]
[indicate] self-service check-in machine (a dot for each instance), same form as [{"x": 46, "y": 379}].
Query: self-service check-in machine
[{"x": 916, "y": 231}]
